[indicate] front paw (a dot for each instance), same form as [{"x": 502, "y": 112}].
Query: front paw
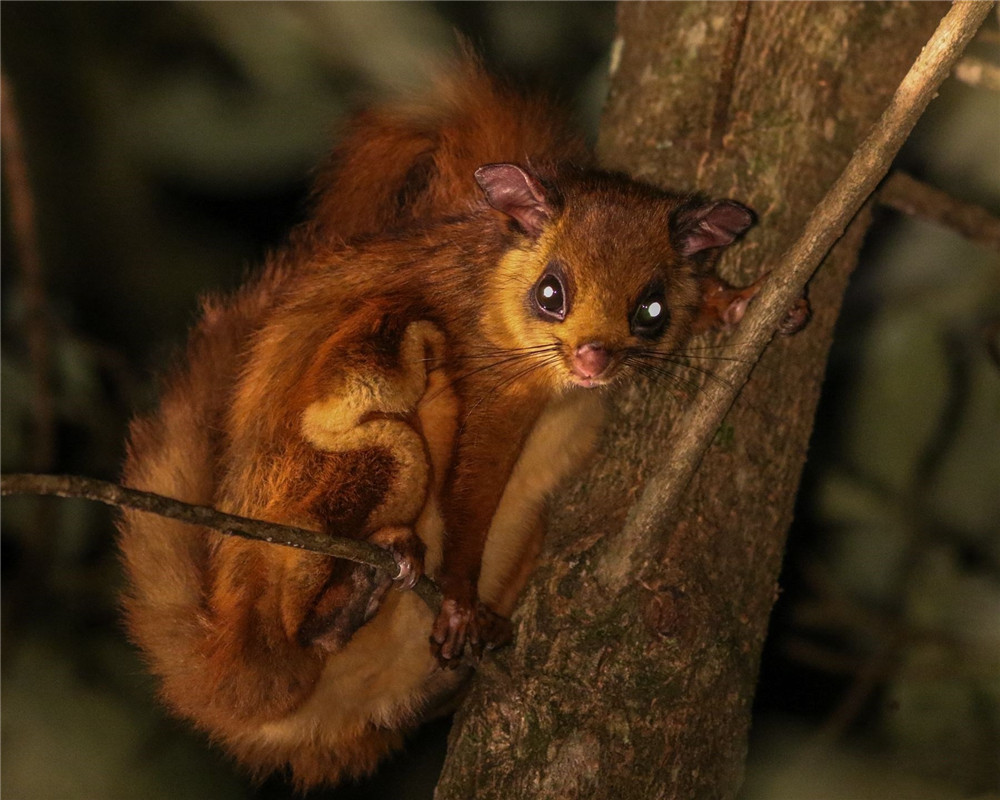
[
  {"x": 456, "y": 625},
  {"x": 407, "y": 550},
  {"x": 466, "y": 626}
]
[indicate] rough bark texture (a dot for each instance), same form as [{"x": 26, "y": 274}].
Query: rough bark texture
[{"x": 637, "y": 651}]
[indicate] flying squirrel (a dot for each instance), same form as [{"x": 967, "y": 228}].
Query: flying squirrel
[{"x": 420, "y": 366}]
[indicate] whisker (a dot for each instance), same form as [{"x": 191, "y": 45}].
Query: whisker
[
  {"x": 505, "y": 382},
  {"x": 683, "y": 354},
  {"x": 502, "y": 359},
  {"x": 660, "y": 360},
  {"x": 721, "y": 346},
  {"x": 670, "y": 359},
  {"x": 504, "y": 352},
  {"x": 492, "y": 353},
  {"x": 658, "y": 372},
  {"x": 500, "y": 363},
  {"x": 683, "y": 390}
]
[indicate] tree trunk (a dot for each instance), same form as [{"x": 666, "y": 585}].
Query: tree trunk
[{"x": 637, "y": 650}]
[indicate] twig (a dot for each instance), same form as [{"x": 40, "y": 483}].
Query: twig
[
  {"x": 905, "y": 193},
  {"x": 114, "y": 495},
  {"x": 696, "y": 427}
]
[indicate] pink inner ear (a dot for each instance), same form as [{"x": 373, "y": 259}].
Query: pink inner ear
[
  {"x": 512, "y": 190},
  {"x": 714, "y": 225}
]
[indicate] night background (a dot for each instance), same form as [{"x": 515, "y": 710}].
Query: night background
[{"x": 169, "y": 146}]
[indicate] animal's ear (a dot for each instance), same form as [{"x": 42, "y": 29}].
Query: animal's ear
[
  {"x": 701, "y": 227},
  {"x": 516, "y": 193}
]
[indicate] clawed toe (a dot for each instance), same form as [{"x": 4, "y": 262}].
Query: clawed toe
[
  {"x": 406, "y": 550},
  {"x": 464, "y": 628}
]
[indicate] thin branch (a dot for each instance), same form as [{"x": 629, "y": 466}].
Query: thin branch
[
  {"x": 114, "y": 495},
  {"x": 868, "y": 166},
  {"x": 910, "y": 196}
]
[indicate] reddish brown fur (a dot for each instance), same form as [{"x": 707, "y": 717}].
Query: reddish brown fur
[
  {"x": 240, "y": 633},
  {"x": 427, "y": 150}
]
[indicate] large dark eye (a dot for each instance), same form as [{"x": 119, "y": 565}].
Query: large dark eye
[
  {"x": 650, "y": 316},
  {"x": 550, "y": 297}
]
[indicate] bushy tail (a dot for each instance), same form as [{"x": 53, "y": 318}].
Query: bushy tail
[
  {"x": 174, "y": 452},
  {"x": 414, "y": 161}
]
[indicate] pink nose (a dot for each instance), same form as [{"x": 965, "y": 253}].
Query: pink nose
[{"x": 590, "y": 360}]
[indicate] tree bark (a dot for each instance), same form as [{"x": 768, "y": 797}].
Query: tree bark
[{"x": 638, "y": 646}]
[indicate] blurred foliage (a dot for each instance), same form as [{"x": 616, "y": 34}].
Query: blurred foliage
[
  {"x": 169, "y": 147},
  {"x": 888, "y": 630}
]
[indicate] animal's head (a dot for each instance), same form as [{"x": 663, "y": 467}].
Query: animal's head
[{"x": 604, "y": 276}]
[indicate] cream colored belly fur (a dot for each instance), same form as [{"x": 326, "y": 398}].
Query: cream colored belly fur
[{"x": 386, "y": 674}]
